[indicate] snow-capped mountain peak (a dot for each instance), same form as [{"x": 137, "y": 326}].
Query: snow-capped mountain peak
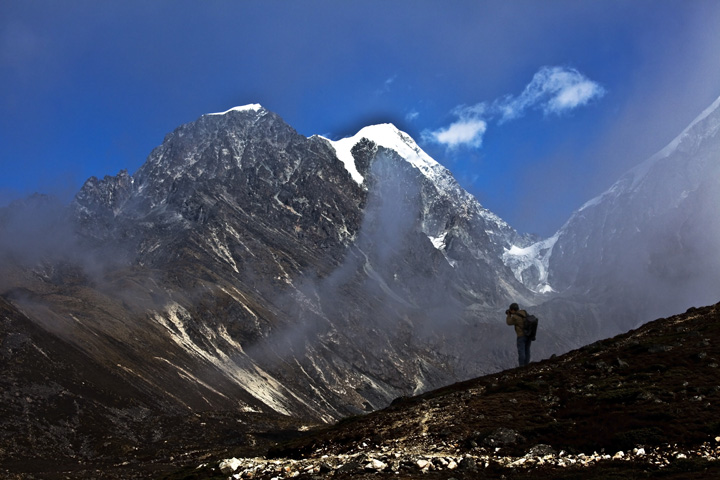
[{"x": 388, "y": 136}]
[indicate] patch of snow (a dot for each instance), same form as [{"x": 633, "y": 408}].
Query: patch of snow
[
  {"x": 343, "y": 151},
  {"x": 537, "y": 255},
  {"x": 388, "y": 136},
  {"x": 439, "y": 241},
  {"x": 253, "y": 107},
  {"x": 545, "y": 289}
]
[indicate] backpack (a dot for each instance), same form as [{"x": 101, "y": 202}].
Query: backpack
[{"x": 530, "y": 326}]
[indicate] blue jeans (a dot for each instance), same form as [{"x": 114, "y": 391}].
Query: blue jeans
[{"x": 523, "y": 346}]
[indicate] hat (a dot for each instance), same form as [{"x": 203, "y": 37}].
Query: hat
[{"x": 514, "y": 306}]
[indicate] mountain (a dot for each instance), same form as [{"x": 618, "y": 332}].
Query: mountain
[
  {"x": 647, "y": 245},
  {"x": 643, "y": 404},
  {"x": 248, "y": 274},
  {"x": 249, "y": 270}
]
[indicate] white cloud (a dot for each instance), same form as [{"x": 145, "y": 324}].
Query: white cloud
[
  {"x": 574, "y": 96},
  {"x": 412, "y": 115},
  {"x": 467, "y": 131},
  {"x": 552, "y": 89}
]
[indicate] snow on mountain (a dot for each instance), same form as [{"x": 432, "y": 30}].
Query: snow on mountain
[
  {"x": 253, "y": 107},
  {"x": 530, "y": 264},
  {"x": 390, "y": 137},
  {"x": 689, "y": 137}
]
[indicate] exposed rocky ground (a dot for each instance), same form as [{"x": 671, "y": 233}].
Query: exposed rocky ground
[{"x": 640, "y": 405}]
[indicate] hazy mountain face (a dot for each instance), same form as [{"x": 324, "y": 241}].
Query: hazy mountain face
[{"x": 649, "y": 244}]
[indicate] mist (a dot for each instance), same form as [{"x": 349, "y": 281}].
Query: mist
[
  {"x": 40, "y": 234},
  {"x": 378, "y": 286}
]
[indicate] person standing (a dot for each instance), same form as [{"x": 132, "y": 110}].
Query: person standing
[{"x": 516, "y": 318}]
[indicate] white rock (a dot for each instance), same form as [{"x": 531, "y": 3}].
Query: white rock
[
  {"x": 422, "y": 464},
  {"x": 229, "y": 466}
]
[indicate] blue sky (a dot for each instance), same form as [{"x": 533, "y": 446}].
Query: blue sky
[{"x": 535, "y": 106}]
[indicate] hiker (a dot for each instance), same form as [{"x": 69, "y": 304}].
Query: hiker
[{"x": 516, "y": 317}]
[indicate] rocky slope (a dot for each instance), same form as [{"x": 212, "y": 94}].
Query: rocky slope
[{"x": 642, "y": 404}]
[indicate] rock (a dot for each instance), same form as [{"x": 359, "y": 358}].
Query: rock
[
  {"x": 229, "y": 466},
  {"x": 646, "y": 396},
  {"x": 468, "y": 464},
  {"x": 351, "y": 466},
  {"x": 502, "y": 436},
  {"x": 659, "y": 348},
  {"x": 541, "y": 450}
]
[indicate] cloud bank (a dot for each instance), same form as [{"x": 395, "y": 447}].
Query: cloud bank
[{"x": 554, "y": 90}]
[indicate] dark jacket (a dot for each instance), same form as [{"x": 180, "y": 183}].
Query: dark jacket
[{"x": 517, "y": 319}]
